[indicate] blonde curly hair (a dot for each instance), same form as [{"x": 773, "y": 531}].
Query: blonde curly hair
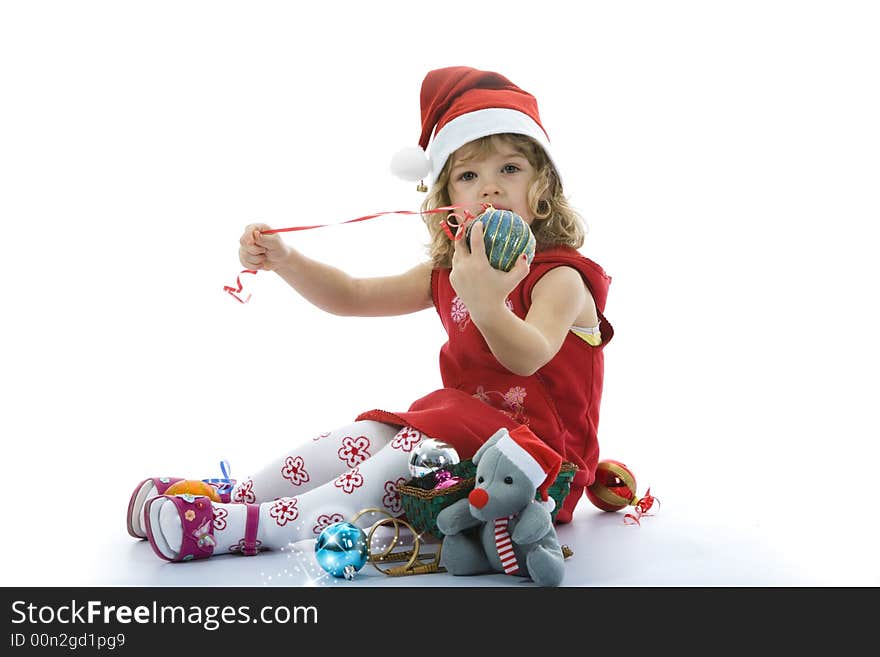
[{"x": 556, "y": 223}]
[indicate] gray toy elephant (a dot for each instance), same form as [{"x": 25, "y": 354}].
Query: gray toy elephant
[{"x": 516, "y": 534}]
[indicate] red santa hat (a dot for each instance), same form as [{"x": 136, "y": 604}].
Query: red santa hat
[
  {"x": 539, "y": 462},
  {"x": 460, "y": 104}
]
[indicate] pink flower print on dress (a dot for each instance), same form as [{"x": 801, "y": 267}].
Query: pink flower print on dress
[
  {"x": 239, "y": 547},
  {"x": 245, "y": 493},
  {"x": 350, "y": 481},
  {"x": 294, "y": 471},
  {"x": 220, "y": 518},
  {"x": 354, "y": 451},
  {"x": 325, "y": 521},
  {"x": 459, "y": 313},
  {"x": 482, "y": 395},
  {"x": 511, "y": 403},
  {"x": 391, "y": 499},
  {"x": 190, "y": 515},
  {"x": 406, "y": 439},
  {"x": 461, "y": 316},
  {"x": 284, "y": 510},
  {"x": 515, "y": 397}
]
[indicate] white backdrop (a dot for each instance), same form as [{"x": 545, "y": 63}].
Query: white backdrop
[{"x": 725, "y": 156}]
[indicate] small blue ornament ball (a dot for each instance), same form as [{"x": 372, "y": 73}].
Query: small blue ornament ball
[
  {"x": 506, "y": 235},
  {"x": 342, "y": 550}
]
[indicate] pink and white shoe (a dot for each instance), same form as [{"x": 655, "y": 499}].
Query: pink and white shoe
[
  {"x": 143, "y": 492},
  {"x": 154, "y": 486},
  {"x": 182, "y": 528}
]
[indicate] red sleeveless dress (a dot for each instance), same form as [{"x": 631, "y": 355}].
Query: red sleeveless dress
[{"x": 559, "y": 403}]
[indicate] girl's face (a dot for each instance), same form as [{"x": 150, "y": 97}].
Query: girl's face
[{"x": 501, "y": 177}]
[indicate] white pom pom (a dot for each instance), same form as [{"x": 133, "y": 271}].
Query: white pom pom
[{"x": 411, "y": 163}]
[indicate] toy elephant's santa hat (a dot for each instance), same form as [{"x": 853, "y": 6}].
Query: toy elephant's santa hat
[
  {"x": 460, "y": 104},
  {"x": 539, "y": 462}
]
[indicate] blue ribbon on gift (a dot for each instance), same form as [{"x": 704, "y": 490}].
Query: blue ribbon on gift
[{"x": 223, "y": 484}]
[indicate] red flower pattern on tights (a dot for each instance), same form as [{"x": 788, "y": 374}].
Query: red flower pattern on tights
[
  {"x": 391, "y": 499},
  {"x": 284, "y": 510},
  {"x": 294, "y": 471},
  {"x": 245, "y": 493},
  {"x": 325, "y": 520},
  {"x": 350, "y": 481},
  {"x": 220, "y": 518},
  {"x": 354, "y": 451},
  {"x": 406, "y": 439}
]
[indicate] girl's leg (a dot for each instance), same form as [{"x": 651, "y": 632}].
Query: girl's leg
[
  {"x": 298, "y": 470},
  {"x": 315, "y": 462},
  {"x": 287, "y": 519}
]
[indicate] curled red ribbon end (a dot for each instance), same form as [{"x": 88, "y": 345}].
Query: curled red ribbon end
[
  {"x": 646, "y": 502},
  {"x": 642, "y": 506},
  {"x": 235, "y": 291}
]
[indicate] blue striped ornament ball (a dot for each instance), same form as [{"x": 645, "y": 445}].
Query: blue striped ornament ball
[{"x": 506, "y": 235}]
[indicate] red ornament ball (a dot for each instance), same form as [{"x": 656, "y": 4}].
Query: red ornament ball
[{"x": 614, "y": 487}]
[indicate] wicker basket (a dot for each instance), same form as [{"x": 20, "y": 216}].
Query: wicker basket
[{"x": 422, "y": 502}]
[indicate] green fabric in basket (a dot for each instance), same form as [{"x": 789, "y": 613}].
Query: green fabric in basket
[{"x": 421, "y": 503}]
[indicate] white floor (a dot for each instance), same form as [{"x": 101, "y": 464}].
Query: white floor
[
  {"x": 78, "y": 538},
  {"x": 679, "y": 546}
]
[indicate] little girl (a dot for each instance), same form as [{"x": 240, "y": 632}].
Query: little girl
[{"x": 525, "y": 347}]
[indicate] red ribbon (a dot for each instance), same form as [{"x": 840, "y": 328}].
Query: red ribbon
[
  {"x": 445, "y": 208},
  {"x": 445, "y": 224},
  {"x": 235, "y": 291},
  {"x": 642, "y": 507}
]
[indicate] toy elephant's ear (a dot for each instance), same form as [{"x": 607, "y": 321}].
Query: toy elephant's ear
[{"x": 494, "y": 438}]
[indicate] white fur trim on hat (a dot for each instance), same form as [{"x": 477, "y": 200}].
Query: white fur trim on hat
[
  {"x": 481, "y": 123},
  {"x": 522, "y": 459}
]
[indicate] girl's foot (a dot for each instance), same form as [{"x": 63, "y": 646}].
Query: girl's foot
[
  {"x": 185, "y": 527},
  {"x": 154, "y": 486}
]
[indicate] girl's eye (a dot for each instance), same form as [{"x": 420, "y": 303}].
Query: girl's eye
[
  {"x": 467, "y": 175},
  {"x": 510, "y": 168}
]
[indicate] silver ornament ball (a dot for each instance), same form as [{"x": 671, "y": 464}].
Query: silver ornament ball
[{"x": 430, "y": 455}]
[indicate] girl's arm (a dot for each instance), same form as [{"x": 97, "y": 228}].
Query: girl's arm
[
  {"x": 525, "y": 346},
  {"x": 522, "y": 346},
  {"x": 331, "y": 289},
  {"x": 336, "y": 292}
]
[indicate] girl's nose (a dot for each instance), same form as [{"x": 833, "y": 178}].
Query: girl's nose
[{"x": 491, "y": 188}]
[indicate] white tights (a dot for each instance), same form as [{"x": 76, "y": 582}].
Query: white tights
[{"x": 325, "y": 480}]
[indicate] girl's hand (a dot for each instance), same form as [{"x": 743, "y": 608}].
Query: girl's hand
[
  {"x": 482, "y": 288},
  {"x": 258, "y": 251}
]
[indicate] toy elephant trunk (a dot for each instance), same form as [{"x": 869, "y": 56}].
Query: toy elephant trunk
[{"x": 516, "y": 534}]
